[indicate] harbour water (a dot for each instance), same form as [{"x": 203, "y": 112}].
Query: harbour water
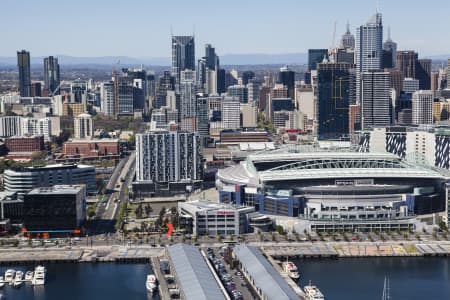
[
  {"x": 85, "y": 282},
  {"x": 363, "y": 278},
  {"x": 339, "y": 279}
]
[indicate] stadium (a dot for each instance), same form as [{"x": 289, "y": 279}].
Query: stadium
[{"x": 337, "y": 189}]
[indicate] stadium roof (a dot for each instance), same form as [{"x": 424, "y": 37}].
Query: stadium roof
[
  {"x": 193, "y": 274},
  {"x": 264, "y": 275}
]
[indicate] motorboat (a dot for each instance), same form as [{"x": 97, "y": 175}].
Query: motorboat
[
  {"x": 313, "y": 293},
  {"x": 39, "y": 275},
  {"x": 151, "y": 283},
  {"x": 291, "y": 269},
  {"x": 18, "y": 279},
  {"x": 2, "y": 282},
  {"x": 9, "y": 276},
  {"x": 29, "y": 276}
]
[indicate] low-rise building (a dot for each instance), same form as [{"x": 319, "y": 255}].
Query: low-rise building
[
  {"x": 60, "y": 208},
  {"x": 25, "y": 144},
  {"x": 92, "y": 148},
  {"x": 203, "y": 218},
  {"x": 26, "y": 179}
]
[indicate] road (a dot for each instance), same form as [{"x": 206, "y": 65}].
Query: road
[{"x": 108, "y": 207}]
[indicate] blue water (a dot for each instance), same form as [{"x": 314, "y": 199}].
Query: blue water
[
  {"x": 338, "y": 279},
  {"x": 363, "y": 278},
  {"x": 85, "y": 281}
]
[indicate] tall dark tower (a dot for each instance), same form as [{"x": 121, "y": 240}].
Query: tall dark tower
[
  {"x": 51, "y": 74},
  {"x": 183, "y": 55},
  {"x": 23, "y": 63},
  {"x": 287, "y": 78}
]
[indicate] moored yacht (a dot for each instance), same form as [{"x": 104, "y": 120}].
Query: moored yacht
[
  {"x": 151, "y": 283},
  {"x": 2, "y": 282},
  {"x": 39, "y": 275},
  {"x": 29, "y": 276},
  {"x": 18, "y": 279},
  {"x": 9, "y": 276},
  {"x": 313, "y": 293},
  {"x": 291, "y": 269}
]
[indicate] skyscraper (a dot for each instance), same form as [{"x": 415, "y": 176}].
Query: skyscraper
[
  {"x": 166, "y": 83},
  {"x": 107, "y": 98},
  {"x": 348, "y": 40},
  {"x": 333, "y": 100},
  {"x": 423, "y": 73},
  {"x": 187, "y": 94},
  {"x": 287, "y": 78},
  {"x": 369, "y": 46},
  {"x": 124, "y": 95},
  {"x": 23, "y": 63},
  {"x": 83, "y": 126},
  {"x": 422, "y": 107},
  {"x": 406, "y": 62},
  {"x": 448, "y": 74},
  {"x": 51, "y": 74},
  {"x": 316, "y": 56},
  {"x": 389, "y": 52},
  {"x": 375, "y": 99},
  {"x": 183, "y": 55}
]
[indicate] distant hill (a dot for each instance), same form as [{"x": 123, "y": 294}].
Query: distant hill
[{"x": 227, "y": 59}]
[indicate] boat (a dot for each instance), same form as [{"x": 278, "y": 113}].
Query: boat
[
  {"x": 312, "y": 292},
  {"x": 2, "y": 282},
  {"x": 291, "y": 269},
  {"x": 29, "y": 276},
  {"x": 39, "y": 276},
  {"x": 151, "y": 283},
  {"x": 9, "y": 276},
  {"x": 18, "y": 279}
]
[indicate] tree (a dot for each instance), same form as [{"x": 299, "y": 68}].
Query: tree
[{"x": 38, "y": 155}]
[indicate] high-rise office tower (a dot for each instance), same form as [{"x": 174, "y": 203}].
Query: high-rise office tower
[
  {"x": 406, "y": 63},
  {"x": 183, "y": 55},
  {"x": 78, "y": 91},
  {"x": 51, "y": 74},
  {"x": 253, "y": 88},
  {"x": 448, "y": 74},
  {"x": 166, "y": 83},
  {"x": 23, "y": 63},
  {"x": 369, "y": 46},
  {"x": 210, "y": 86},
  {"x": 389, "y": 52},
  {"x": 211, "y": 59},
  {"x": 423, "y": 73},
  {"x": 231, "y": 113},
  {"x": 187, "y": 94},
  {"x": 410, "y": 85},
  {"x": 348, "y": 40},
  {"x": 221, "y": 74},
  {"x": 375, "y": 99},
  {"x": 36, "y": 89},
  {"x": 83, "y": 126},
  {"x": 239, "y": 91},
  {"x": 168, "y": 156},
  {"x": 287, "y": 78},
  {"x": 332, "y": 100},
  {"x": 124, "y": 95},
  {"x": 316, "y": 56},
  {"x": 107, "y": 98},
  {"x": 422, "y": 107}
]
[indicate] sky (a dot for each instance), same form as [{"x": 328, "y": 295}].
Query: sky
[{"x": 142, "y": 28}]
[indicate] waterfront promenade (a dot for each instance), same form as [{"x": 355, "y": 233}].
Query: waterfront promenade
[{"x": 143, "y": 253}]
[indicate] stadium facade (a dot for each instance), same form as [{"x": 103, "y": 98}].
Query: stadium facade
[{"x": 336, "y": 189}]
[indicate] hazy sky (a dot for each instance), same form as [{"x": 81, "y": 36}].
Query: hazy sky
[{"x": 141, "y": 28}]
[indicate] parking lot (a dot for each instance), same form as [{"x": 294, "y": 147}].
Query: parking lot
[{"x": 234, "y": 282}]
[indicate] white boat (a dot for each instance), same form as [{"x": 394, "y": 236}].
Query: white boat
[
  {"x": 39, "y": 276},
  {"x": 151, "y": 283},
  {"x": 29, "y": 276},
  {"x": 9, "y": 276},
  {"x": 2, "y": 282},
  {"x": 18, "y": 279},
  {"x": 291, "y": 269},
  {"x": 313, "y": 293}
]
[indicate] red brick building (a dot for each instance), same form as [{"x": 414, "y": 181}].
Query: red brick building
[
  {"x": 91, "y": 148},
  {"x": 25, "y": 143}
]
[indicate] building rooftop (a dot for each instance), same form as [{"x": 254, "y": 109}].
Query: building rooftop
[
  {"x": 195, "y": 278},
  {"x": 62, "y": 189},
  {"x": 264, "y": 275},
  {"x": 208, "y": 206}
]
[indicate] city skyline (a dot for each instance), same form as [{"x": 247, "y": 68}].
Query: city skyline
[{"x": 145, "y": 32}]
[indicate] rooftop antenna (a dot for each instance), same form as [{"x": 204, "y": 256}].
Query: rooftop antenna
[
  {"x": 193, "y": 30},
  {"x": 377, "y": 6},
  {"x": 348, "y": 27},
  {"x": 171, "y": 30},
  {"x": 389, "y": 32}
]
